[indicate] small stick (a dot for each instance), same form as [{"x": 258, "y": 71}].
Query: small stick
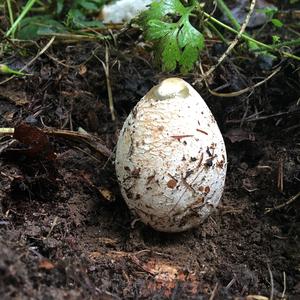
[
  {"x": 108, "y": 85},
  {"x": 93, "y": 142},
  {"x": 280, "y": 176},
  {"x": 214, "y": 292},
  {"x": 242, "y": 91},
  {"x": 283, "y": 204},
  {"x": 272, "y": 283},
  {"x": 52, "y": 227},
  {"x": 284, "y": 285},
  {"x": 6, "y": 131}
]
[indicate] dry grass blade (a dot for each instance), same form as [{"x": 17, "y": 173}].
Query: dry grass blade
[
  {"x": 108, "y": 85},
  {"x": 291, "y": 200},
  {"x": 240, "y": 92}
]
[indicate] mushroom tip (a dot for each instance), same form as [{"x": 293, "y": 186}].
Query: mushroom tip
[{"x": 172, "y": 87}]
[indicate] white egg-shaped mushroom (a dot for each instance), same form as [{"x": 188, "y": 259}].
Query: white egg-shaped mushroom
[{"x": 171, "y": 158}]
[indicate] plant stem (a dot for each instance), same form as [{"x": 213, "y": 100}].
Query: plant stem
[
  {"x": 6, "y": 131},
  {"x": 226, "y": 11},
  {"x": 217, "y": 32},
  {"x": 248, "y": 38},
  {"x": 295, "y": 42},
  {"x": 10, "y": 13},
  {"x": 25, "y": 10}
]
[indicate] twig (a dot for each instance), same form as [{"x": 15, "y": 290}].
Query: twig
[
  {"x": 280, "y": 175},
  {"x": 6, "y": 131},
  {"x": 233, "y": 44},
  {"x": 52, "y": 227},
  {"x": 91, "y": 141},
  {"x": 240, "y": 92},
  {"x": 108, "y": 85},
  {"x": 254, "y": 119},
  {"x": 214, "y": 292},
  {"x": 291, "y": 200},
  {"x": 232, "y": 281},
  {"x": 284, "y": 286},
  {"x": 271, "y": 282},
  {"x": 69, "y": 38}
]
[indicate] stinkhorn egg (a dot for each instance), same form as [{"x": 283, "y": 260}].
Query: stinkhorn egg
[{"x": 171, "y": 158}]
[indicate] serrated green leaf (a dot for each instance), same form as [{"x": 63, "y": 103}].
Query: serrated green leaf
[
  {"x": 191, "y": 41},
  {"x": 175, "y": 43},
  {"x": 188, "y": 57},
  {"x": 157, "y": 29},
  {"x": 190, "y": 35},
  {"x": 159, "y": 9},
  {"x": 170, "y": 51}
]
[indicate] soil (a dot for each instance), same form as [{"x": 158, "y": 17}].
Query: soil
[{"x": 65, "y": 231}]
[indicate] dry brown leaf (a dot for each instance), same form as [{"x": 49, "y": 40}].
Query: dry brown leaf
[
  {"x": 16, "y": 97},
  {"x": 46, "y": 264}
]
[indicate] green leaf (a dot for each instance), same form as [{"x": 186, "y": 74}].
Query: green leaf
[
  {"x": 192, "y": 41},
  {"x": 170, "y": 51},
  {"x": 275, "y": 39},
  {"x": 59, "y": 6},
  {"x": 157, "y": 29},
  {"x": 277, "y": 23},
  {"x": 29, "y": 27},
  {"x": 190, "y": 35},
  {"x": 77, "y": 19},
  {"x": 268, "y": 11},
  {"x": 88, "y": 5},
  {"x": 175, "y": 43},
  {"x": 188, "y": 57},
  {"x": 75, "y": 13},
  {"x": 160, "y": 9}
]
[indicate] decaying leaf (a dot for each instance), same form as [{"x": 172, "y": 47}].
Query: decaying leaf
[
  {"x": 37, "y": 142},
  {"x": 16, "y": 97}
]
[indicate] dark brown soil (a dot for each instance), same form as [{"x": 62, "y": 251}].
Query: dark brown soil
[{"x": 65, "y": 232}]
